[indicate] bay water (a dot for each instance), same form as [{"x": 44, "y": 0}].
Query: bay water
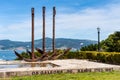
[{"x": 8, "y": 55}]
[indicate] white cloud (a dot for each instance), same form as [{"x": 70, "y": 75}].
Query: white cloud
[{"x": 81, "y": 24}]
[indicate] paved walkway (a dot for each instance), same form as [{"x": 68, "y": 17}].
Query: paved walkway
[
  {"x": 75, "y": 63},
  {"x": 68, "y": 65}
]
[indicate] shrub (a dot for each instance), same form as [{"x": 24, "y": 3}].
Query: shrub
[{"x": 106, "y": 57}]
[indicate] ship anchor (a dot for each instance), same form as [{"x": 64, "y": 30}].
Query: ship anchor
[{"x": 44, "y": 55}]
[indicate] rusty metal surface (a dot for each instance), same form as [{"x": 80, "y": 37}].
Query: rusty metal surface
[
  {"x": 39, "y": 50},
  {"x": 32, "y": 46},
  {"x": 43, "y": 45},
  {"x": 44, "y": 56},
  {"x": 43, "y": 53},
  {"x": 53, "y": 42},
  {"x": 18, "y": 55},
  {"x": 29, "y": 53},
  {"x": 59, "y": 55}
]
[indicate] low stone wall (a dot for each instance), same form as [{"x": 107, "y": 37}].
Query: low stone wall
[{"x": 37, "y": 72}]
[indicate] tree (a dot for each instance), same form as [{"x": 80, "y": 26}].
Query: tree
[
  {"x": 91, "y": 47},
  {"x": 112, "y": 43}
]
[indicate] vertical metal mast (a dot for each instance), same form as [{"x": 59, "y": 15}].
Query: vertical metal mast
[
  {"x": 53, "y": 42},
  {"x": 43, "y": 30},
  {"x": 32, "y": 46}
]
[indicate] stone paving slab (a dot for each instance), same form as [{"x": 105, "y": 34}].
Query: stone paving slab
[{"x": 65, "y": 66}]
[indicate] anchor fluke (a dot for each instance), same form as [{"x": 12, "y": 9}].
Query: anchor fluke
[{"x": 18, "y": 55}]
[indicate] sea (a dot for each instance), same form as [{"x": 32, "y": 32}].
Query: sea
[{"x": 8, "y": 55}]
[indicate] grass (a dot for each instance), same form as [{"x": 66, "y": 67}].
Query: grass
[{"x": 115, "y": 75}]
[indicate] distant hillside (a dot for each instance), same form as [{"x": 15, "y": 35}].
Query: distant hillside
[{"x": 60, "y": 43}]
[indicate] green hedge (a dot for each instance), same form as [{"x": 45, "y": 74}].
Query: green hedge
[{"x": 107, "y": 57}]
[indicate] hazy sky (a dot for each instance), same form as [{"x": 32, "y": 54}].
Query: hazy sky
[{"x": 77, "y": 19}]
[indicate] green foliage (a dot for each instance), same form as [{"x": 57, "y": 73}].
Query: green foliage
[
  {"x": 106, "y": 57},
  {"x": 112, "y": 43},
  {"x": 92, "y": 47}
]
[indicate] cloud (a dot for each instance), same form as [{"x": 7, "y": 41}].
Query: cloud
[
  {"x": 83, "y": 24},
  {"x": 80, "y": 24}
]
